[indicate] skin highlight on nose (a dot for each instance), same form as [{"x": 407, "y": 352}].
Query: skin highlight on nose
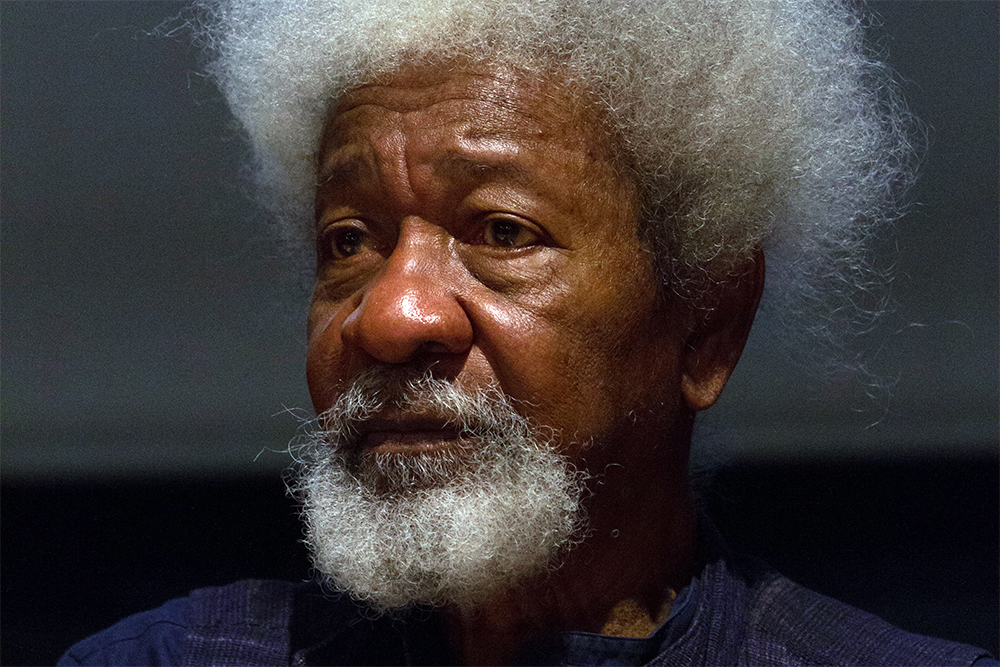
[{"x": 407, "y": 310}]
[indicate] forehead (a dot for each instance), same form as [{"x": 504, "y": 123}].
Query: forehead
[{"x": 466, "y": 112}]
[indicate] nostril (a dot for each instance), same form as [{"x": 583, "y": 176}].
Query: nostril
[{"x": 434, "y": 347}]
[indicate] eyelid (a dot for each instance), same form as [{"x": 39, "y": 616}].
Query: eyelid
[
  {"x": 326, "y": 228},
  {"x": 529, "y": 226},
  {"x": 341, "y": 221}
]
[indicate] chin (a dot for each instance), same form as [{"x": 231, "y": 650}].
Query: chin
[{"x": 452, "y": 526}]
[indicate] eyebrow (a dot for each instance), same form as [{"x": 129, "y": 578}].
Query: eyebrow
[{"x": 348, "y": 169}]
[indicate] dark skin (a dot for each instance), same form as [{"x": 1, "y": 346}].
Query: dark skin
[{"x": 470, "y": 220}]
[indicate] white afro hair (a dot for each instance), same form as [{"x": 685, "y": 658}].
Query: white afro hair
[{"x": 745, "y": 124}]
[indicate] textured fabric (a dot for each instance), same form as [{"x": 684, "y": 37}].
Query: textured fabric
[
  {"x": 154, "y": 637},
  {"x": 247, "y": 623},
  {"x": 749, "y": 615},
  {"x": 736, "y": 612},
  {"x": 794, "y": 626}
]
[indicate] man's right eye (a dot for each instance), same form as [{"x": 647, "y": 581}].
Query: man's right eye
[{"x": 344, "y": 242}]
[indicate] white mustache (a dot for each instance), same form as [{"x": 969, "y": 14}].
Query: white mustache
[{"x": 387, "y": 394}]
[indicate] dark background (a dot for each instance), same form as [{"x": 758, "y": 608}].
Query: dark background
[
  {"x": 911, "y": 541},
  {"x": 152, "y": 341}
]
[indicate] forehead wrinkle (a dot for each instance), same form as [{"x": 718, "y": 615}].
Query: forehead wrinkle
[
  {"x": 477, "y": 156},
  {"x": 346, "y": 165},
  {"x": 484, "y": 157},
  {"x": 423, "y": 90},
  {"x": 381, "y": 158},
  {"x": 490, "y": 134}
]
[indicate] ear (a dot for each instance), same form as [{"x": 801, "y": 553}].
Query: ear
[{"x": 716, "y": 340}]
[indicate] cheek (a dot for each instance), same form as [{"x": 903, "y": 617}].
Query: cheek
[
  {"x": 583, "y": 359},
  {"x": 325, "y": 364}
]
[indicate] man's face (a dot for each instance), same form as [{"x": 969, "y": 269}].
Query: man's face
[{"x": 471, "y": 222}]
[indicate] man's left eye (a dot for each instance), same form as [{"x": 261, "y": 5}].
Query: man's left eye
[{"x": 508, "y": 233}]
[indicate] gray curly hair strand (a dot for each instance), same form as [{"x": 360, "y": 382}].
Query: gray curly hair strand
[{"x": 746, "y": 124}]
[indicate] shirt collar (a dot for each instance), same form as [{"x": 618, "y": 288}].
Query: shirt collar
[{"x": 588, "y": 648}]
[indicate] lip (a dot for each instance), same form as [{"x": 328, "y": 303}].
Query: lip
[{"x": 385, "y": 436}]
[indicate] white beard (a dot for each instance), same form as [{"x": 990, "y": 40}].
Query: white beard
[{"x": 396, "y": 530}]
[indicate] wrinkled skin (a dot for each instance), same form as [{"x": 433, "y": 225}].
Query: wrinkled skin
[{"x": 471, "y": 220}]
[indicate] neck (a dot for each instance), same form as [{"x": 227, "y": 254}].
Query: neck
[{"x": 639, "y": 549}]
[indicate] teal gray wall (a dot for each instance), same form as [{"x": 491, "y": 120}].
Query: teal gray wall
[{"x": 151, "y": 328}]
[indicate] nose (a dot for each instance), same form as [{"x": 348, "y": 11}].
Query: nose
[{"x": 411, "y": 308}]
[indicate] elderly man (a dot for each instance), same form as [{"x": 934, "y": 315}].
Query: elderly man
[{"x": 540, "y": 233}]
